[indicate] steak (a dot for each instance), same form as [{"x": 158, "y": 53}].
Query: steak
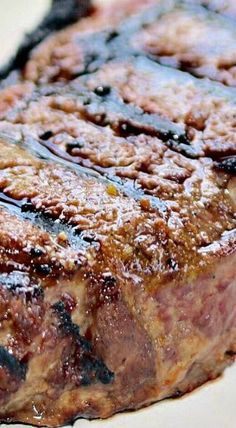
[
  {"x": 117, "y": 213},
  {"x": 205, "y": 48}
]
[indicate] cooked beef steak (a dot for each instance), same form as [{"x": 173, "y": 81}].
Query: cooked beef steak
[{"x": 117, "y": 222}]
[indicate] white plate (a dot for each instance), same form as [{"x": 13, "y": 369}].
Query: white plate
[{"x": 211, "y": 406}]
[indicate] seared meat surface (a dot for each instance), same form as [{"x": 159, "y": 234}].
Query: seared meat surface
[
  {"x": 174, "y": 33},
  {"x": 117, "y": 214}
]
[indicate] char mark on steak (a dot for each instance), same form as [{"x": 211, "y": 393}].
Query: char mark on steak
[
  {"x": 228, "y": 165},
  {"x": 12, "y": 365},
  {"x": 90, "y": 368}
]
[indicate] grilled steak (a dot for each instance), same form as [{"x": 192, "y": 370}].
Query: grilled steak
[{"x": 117, "y": 214}]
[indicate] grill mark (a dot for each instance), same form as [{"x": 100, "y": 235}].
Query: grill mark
[
  {"x": 26, "y": 211},
  {"x": 129, "y": 119},
  {"x": 7, "y": 201},
  {"x": 44, "y": 150},
  {"x": 126, "y": 188},
  {"x": 230, "y": 353},
  {"x": 12, "y": 364},
  {"x": 37, "y": 263},
  {"x": 228, "y": 165},
  {"x": 181, "y": 143},
  {"x": 101, "y": 109},
  {"x": 91, "y": 367},
  {"x": 20, "y": 283},
  {"x": 132, "y": 120},
  {"x": 125, "y": 119}
]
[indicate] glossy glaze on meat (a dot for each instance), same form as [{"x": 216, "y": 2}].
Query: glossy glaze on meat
[{"x": 117, "y": 220}]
